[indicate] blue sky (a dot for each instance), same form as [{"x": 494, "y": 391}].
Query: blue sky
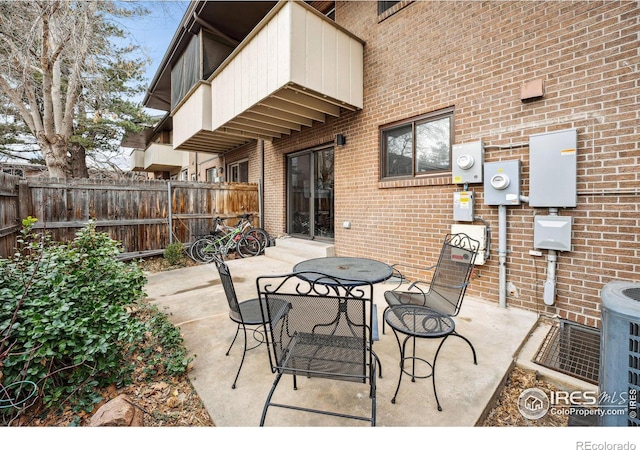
[{"x": 154, "y": 31}]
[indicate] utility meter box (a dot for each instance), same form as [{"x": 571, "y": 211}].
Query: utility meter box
[
  {"x": 477, "y": 232},
  {"x": 553, "y": 169},
  {"x": 552, "y": 233},
  {"x": 502, "y": 183},
  {"x": 463, "y": 206},
  {"x": 468, "y": 161}
]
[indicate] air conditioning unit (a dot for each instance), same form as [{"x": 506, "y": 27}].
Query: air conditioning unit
[{"x": 619, "y": 377}]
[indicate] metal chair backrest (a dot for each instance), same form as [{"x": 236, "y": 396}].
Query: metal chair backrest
[
  {"x": 318, "y": 326},
  {"x": 452, "y": 273},
  {"x": 229, "y": 289}
]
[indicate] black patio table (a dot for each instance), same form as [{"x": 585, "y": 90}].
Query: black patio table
[{"x": 351, "y": 269}]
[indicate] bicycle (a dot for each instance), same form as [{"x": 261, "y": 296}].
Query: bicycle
[
  {"x": 244, "y": 239},
  {"x": 226, "y": 240}
]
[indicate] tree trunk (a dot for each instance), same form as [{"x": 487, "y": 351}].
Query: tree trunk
[
  {"x": 78, "y": 161},
  {"x": 55, "y": 156}
]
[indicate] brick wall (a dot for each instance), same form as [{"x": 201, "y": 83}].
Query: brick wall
[{"x": 475, "y": 56}]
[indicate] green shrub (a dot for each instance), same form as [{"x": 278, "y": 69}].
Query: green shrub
[
  {"x": 174, "y": 253},
  {"x": 69, "y": 317}
]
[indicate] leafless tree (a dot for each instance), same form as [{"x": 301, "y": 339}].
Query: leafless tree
[{"x": 64, "y": 76}]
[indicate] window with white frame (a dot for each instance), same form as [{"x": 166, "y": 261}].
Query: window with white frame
[
  {"x": 418, "y": 146},
  {"x": 238, "y": 171}
]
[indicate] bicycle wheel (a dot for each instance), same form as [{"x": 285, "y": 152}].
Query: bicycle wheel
[
  {"x": 203, "y": 250},
  {"x": 248, "y": 246},
  {"x": 192, "y": 252},
  {"x": 261, "y": 235}
]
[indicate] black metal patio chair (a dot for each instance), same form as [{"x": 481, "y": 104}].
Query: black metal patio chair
[
  {"x": 428, "y": 312},
  {"x": 324, "y": 330},
  {"x": 246, "y": 314},
  {"x": 445, "y": 291}
]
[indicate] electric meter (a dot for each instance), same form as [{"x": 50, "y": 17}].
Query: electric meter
[
  {"x": 467, "y": 160},
  {"x": 500, "y": 181}
]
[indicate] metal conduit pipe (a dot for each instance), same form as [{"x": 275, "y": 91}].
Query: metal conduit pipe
[
  {"x": 502, "y": 255},
  {"x": 549, "y": 293},
  {"x": 502, "y": 252}
]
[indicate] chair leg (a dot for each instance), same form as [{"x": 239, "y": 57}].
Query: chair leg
[
  {"x": 433, "y": 372},
  {"x": 268, "y": 402},
  {"x": 475, "y": 359},
  {"x": 372, "y": 395},
  {"x": 384, "y": 321},
  {"x": 244, "y": 352},
  {"x": 379, "y": 364},
  {"x": 234, "y": 340}
]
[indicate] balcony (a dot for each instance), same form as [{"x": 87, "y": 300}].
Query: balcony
[
  {"x": 292, "y": 71},
  {"x": 157, "y": 157},
  {"x": 136, "y": 160}
]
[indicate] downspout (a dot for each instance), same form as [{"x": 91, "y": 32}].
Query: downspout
[
  {"x": 261, "y": 185},
  {"x": 549, "y": 294},
  {"x": 197, "y": 168},
  {"x": 170, "y": 212}
]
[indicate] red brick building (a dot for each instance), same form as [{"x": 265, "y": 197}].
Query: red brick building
[{"x": 373, "y": 172}]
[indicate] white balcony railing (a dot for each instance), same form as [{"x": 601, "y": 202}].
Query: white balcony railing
[
  {"x": 136, "y": 160},
  {"x": 159, "y": 157},
  {"x": 293, "y": 70}
]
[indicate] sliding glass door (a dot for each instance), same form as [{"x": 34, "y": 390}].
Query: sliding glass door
[{"x": 310, "y": 208}]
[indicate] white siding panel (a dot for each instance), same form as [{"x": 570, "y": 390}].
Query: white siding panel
[
  {"x": 356, "y": 76},
  {"x": 329, "y": 60},
  {"x": 295, "y": 46},
  {"x": 237, "y": 86},
  {"x": 262, "y": 62},
  {"x": 312, "y": 63},
  {"x": 273, "y": 59},
  {"x": 298, "y": 45},
  {"x": 286, "y": 44},
  {"x": 193, "y": 115},
  {"x": 343, "y": 63},
  {"x": 162, "y": 155}
]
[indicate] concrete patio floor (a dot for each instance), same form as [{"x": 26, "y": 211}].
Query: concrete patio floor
[{"x": 195, "y": 301}]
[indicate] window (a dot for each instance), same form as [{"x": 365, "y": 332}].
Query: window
[
  {"x": 383, "y": 6},
  {"x": 184, "y": 175},
  {"x": 418, "y": 146},
  {"x": 186, "y": 72},
  {"x": 238, "y": 171},
  {"x": 212, "y": 174}
]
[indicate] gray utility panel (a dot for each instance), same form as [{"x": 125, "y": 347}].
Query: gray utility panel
[
  {"x": 552, "y": 233},
  {"x": 553, "y": 169},
  {"x": 502, "y": 183},
  {"x": 467, "y": 162}
]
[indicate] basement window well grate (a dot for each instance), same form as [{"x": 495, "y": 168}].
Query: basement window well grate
[{"x": 572, "y": 349}]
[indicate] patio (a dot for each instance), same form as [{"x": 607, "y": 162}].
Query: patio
[{"x": 195, "y": 301}]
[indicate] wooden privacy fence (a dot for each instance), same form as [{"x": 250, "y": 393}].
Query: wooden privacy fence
[{"x": 142, "y": 215}]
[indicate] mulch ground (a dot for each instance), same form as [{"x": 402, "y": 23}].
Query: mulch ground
[{"x": 505, "y": 413}]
